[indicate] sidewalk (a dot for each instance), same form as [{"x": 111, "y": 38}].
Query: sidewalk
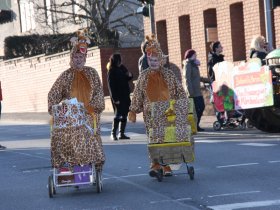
[{"x": 106, "y": 118}]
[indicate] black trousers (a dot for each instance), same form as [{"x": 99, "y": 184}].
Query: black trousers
[{"x": 199, "y": 107}]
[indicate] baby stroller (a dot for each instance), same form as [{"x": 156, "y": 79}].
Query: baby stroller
[
  {"x": 230, "y": 119},
  {"x": 66, "y": 156},
  {"x": 227, "y": 116}
]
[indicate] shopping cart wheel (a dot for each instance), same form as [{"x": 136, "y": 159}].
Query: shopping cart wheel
[
  {"x": 159, "y": 175},
  {"x": 191, "y": 172},
  {"x": 217, "y": 126},
  {"x": 51, "y": 187},
  {"x": 99, "y": 184}
]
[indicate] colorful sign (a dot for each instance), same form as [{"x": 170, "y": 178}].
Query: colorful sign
[{"x": 248, "y": 85}]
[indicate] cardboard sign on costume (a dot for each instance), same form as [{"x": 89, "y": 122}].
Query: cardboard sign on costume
[{"x": 248, "y": 85}]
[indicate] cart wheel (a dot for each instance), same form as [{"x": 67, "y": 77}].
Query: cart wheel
[
  {"x": 159, "y": 175},
  {"x": 99, "y": 184},
  {"x": 51, "y": 187},
  {"x": 217, "y": 126},
  {"x": 191, "y": 172}
]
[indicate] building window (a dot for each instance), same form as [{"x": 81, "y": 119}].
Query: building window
[
  {"x": 237, "y": 32},
  {"x": 162, "y": 35},
  {"x": 185, "y": 34},
  {"x": 48, "y": 12},
  {"x": 210, "y": 27},
  {"x": 27, "y": 15}
]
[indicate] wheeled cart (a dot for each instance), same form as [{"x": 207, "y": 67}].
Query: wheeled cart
[
  {"x": 74, "y": 177},
  {"x": 173, "y": 154}
]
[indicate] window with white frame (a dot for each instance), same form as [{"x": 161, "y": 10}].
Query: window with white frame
[{"x": 27, "y": 15}]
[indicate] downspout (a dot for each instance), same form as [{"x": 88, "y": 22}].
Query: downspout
[{"x": 268, "y": 23}]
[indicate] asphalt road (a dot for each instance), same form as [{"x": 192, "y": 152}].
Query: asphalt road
[{"x": 234, "y": 169}]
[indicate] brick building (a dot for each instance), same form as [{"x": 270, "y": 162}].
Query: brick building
[{"x": 185, "y": 24}]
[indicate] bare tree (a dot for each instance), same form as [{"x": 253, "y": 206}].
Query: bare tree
[{"x": 107, "y": 20}]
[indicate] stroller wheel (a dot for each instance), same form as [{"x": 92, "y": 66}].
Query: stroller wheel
[
  {"x": 242, "y": 125},
  {"x": 249, "y": 124},
  {"x": 217, "y": 126}
]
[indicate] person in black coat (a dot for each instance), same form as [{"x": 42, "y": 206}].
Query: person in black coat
[
  {"x": 143, "y": 61},
  {"x": 214, "y": 57},
  {"x": 118, "y": 84},
  {"x": 258, "y": 48}
]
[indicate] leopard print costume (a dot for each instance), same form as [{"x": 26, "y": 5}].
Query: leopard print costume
[
  {"x": 140, "y": 101},
  {"x": 68, "y": 144}
]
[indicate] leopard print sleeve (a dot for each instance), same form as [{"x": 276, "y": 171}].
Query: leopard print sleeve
[
  {"x": 138, "y": 96},
  {"x": 56, "y": 94},
  {"x": 97, "y": 94},
  {"x": 181, "y": 93}
]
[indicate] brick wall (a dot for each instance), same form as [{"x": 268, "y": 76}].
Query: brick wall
[
  {"x": 26, "y": 82},
  {"x": 235, "y": 34}
]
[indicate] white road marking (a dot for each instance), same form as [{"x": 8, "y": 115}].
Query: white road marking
[
  {"x": 237, "y": 165},
  {"x": 29, "y": 155},
  {"x": 246, "y": 205},
  {"x": 229, "y": 194},
  {"x": 105, "y": 129},
  {"x": 133, "y": 134},
  {"x": 274, "y": 161},
  {"x": 257, "y": 144},
  {"x": 170, "y": 200},
  {"x": 126, "y": 176}
]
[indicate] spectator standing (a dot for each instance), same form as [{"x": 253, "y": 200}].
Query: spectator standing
[
  {"x": 214, "y": 57},
  {"x": 258, "y": 48},
  {"x": 193, "y": 84},
  {"x": 143, "y": 62},
  {"x": 118, "y": 83}
]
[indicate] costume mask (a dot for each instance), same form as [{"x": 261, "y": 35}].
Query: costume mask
[
  {"x": 153, "y": 62},
  {"x": 78, "y": 60},
  {"x": 155, "y": 56}
]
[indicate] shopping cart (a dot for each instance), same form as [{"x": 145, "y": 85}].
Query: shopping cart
[
  {"x": 173, "y": 154},
  {"x": 69, "y": 170},
  {"x": 74, "y": 177}
]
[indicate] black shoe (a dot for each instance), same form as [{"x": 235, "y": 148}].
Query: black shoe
[
  {"x": 114, "y": 137},
  {"x": 200, "y": 129},
  {"x": 123, "y": 136}
]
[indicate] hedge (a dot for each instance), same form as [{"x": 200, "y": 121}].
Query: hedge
[{"x": 32, "y": 45}]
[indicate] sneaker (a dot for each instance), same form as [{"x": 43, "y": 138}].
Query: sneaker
[
  {"x": 154, "y": 169},
  {"x": 167, "y": 170}
]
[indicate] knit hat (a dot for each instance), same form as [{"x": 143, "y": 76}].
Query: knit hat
[{"x": 189, "y": 53}]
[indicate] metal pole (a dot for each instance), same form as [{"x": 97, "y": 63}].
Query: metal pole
[
  {"x": 152, "y": 17},
  {"x": 268, "y": 27}
]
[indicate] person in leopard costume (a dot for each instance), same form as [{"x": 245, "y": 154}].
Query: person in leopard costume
[
  {"x": 77, "y": 145},
  {"x": 155, "y": 84}
]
